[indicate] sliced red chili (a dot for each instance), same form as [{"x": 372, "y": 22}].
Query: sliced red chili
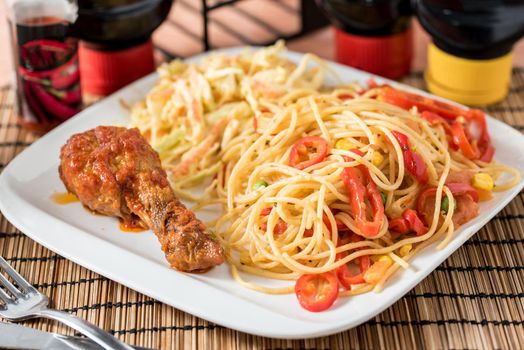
[
  {"x": 409, "y": 222},
  {"x": 413, "y": 162},
  {"x": 317, "y": 292},
  {"x": 435, "y": 119},
  {"x": 461, "y": 140},
  {"x": 407, "y": 100},
  {"x": 266, "y": 211},
  {"x": 279, "y": 228},
  {"x": 345, "y": 276},
  {"x": 415, "y": 222},
  {"x": 484, "y": 149},
  {"x": 340, "y": 225},
  {"x": 308, "y": 151},
  {"x": 484, "y": 145},
  {"x": 399, "y": 225},
  {"x": 360, "y": 186}
]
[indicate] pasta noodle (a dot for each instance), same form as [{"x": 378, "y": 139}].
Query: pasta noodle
[{"x": 253, "y": 129}]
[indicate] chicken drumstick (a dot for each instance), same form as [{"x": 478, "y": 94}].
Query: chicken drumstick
[{"x": 114, "y": 171}]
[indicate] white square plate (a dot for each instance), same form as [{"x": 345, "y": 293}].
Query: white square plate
[{"x": 136, "y": 260}]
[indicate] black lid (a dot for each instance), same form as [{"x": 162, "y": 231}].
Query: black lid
[
  {"x": 117, "y": 24},
  {"x": 368, "y": 17},
  {"x": 476, "y": 29}
]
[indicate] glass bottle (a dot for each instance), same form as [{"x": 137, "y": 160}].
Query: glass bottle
[{"x": 47, "y": 78}]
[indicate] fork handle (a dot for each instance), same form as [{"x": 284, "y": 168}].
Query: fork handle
[{"x": 99, "y": 336}]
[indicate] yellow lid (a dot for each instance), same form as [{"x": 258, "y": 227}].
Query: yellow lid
[{"x": 468, "y": 81}]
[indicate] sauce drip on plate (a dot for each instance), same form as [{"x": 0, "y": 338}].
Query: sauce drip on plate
[
  {"x": 63, "y": 198},
  {"x": 131, "y": 226}
]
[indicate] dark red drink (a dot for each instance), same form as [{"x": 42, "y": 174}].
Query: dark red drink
[{"x": 48, "y": 76}]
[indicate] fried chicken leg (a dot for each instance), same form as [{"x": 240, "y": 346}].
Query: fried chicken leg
[{"x": 114, "y": 171}]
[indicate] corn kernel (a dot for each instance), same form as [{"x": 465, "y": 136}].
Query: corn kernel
[
  {"x": 377, "y": 159},
  {"x": 405, "y": 249},
  {"x": 345, "y": 145},
  {"x": 483, "y": 181},
  {"x": 385, "y": 258},
  {"x": 382, "y": 257}
]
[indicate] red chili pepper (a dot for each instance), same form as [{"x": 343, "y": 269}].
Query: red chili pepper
[
  {"x": 66, "y": 77},
  {"x": 317, "y": 292},
  {"x": 265, "y": 211},
  {"x": 344, "y": 275},
  {"x": 399, "y": 225},
  {"x": 55, "y": 107},
  {"x": 461, "y": 141},
  {"x": 410, "y": 221},
  {"x": 412, "y": 160},
  {"x": 308, "y": 151},
  {"x": 279, "y": 229},
  {"x": 33, "y": 103},
  {"x": 407, "y": 100},
  {"x": 345, "y": 97},
  {"x": 347, "y": 279},
  {"x": 486, "y": 149},
  {"x": 280, "y": 226},
  {"x": 414, "y": 221},
  {"x": 340, "y": 225},
  {"x": 360, "y": 186},
  {"x": 72, "y": 96},
  {"x": 435, "y": 119},
  {"x": 449, "y": 112}
]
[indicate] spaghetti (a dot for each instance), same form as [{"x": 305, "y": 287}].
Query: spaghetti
[{"x": 344, "y": 182}]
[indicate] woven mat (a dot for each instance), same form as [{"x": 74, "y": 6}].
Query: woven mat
[{"x": 474, "y": 300}]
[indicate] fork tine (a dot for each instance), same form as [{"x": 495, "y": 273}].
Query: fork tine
[
  {"x": 15, "y": 275},
  {"x": 5, "y": 297},
  {"x": 4, "y": 281}
]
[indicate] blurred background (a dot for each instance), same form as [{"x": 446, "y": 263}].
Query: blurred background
[
  {"x": 243, "y": 22},
  {"x": 72, "y": 53}
]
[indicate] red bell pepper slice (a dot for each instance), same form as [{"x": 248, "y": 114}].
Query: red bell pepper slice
[
  {"x": 308, "y": 151},
  {"x": 484, "y": 145},
  {"x": 461, "y": 140},
  {"x": 412, "y": 160},
  {"x": 279, "y": 229},
  {"x": 407, "y": 100},
  {"x": 280, "y": 226},
  {"x": 435, "y": 119},
  {"x": 345, "y": 277},
  {"x": 410, "y": 221},
  {"x": 359, "y": 186},
  {"x": 435, "y": 108}
]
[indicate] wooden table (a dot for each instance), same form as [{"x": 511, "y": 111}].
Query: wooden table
[{"x": 473, "y": 300}]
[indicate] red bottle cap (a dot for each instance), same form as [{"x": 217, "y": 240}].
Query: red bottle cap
[
  {"x": 104, "y": 72},
  {"x": 388, "y": 56}
]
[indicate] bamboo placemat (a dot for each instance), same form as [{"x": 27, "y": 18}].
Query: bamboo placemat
[{"x": 474, "y": 300}]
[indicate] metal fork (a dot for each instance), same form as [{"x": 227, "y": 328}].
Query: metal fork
[{"x": 27, "y": 302}]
